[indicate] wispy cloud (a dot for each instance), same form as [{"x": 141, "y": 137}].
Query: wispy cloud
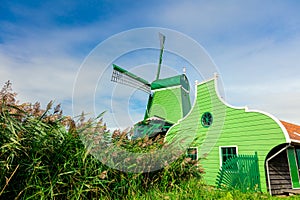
[
  {"x": 263, "y": 75},
  {"x": 255, "y": 45}
]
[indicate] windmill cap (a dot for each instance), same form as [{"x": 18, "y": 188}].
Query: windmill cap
[{"x": 170, "y": 82}]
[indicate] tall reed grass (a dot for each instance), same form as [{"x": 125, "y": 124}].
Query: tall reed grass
[{"x": 42, "y": 156}]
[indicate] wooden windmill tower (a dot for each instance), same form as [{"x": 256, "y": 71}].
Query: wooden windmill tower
[{"x": 168, "y": 101}]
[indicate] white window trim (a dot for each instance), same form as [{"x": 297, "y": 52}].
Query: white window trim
[{"x": 220, "y": 152}]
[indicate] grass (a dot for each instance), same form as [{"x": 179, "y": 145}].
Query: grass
[{"x": 42, "y": 156}]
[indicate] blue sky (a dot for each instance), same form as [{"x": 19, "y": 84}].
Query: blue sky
[{"x": 255, "y": 45}]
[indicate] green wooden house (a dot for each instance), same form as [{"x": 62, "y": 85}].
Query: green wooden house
[{"x": 247, "y": 149}]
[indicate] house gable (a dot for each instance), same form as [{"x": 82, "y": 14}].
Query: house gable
[{"x": 250, "y": 131}]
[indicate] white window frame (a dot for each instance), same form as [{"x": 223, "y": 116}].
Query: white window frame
[{"x": 221, "y": 155}]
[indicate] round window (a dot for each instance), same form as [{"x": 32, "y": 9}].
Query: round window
[{"x": 206, "y": 119}]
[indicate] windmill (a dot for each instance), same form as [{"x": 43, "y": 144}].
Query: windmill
[{"x": 168, "y": 100}]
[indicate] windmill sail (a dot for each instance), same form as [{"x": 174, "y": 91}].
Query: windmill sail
[
  {"x": 124, "y": 77},
  {"x": 162, "y": 39}
]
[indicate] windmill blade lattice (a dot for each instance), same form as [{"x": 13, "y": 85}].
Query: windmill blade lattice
[{"x": 124, "y": 77}]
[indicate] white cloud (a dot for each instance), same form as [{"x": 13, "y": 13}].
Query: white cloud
[
  {"x": 255, "y": 45},
  {"x": 264, "y": 75},
  {"x": 42, "y": 80}
]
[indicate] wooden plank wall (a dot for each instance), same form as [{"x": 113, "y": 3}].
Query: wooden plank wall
[{"x": 279, "y": 174}]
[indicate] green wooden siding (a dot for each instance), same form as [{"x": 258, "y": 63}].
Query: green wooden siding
[
  {"x": 249, "y": 131},
  {"x": 171, "y": 81},
  {"x": 170, "y": 104},
  {"x": 298, "y": 155}
]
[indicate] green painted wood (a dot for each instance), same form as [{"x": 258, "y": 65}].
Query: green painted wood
[
  {"x": 293, "y": 167},
  {"x": 298, "y": 155},
  {"x": 186, "y": 102},
  {"x": 240, "y": 172},
  {"x": 170, "y": 82},
  {"x": 170, "y": 104},
  {"x": 249, "y": 131}
]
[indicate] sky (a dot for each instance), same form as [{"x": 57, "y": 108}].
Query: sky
[{"x": 255, "y": 46}]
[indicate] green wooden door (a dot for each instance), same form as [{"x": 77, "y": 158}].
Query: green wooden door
[{"x": 294, "y": 169}]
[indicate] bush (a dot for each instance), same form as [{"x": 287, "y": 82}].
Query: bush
[{"x": 42, "y": 156}]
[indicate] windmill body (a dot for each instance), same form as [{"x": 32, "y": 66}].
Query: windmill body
[
  {"x": 168, "y": 102},
  {"x": 170, "y": 99}
]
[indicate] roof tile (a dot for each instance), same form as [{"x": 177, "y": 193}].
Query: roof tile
[{"x": 292, "y": 129}]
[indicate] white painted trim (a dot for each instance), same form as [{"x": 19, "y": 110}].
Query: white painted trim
[
  {"x": 286, "y": 134},
  {"x": 185, "y": 90},
  {"x": 289, "y": 166},
  {"x": 297, "y": 133},
  {"x": 180, "y": 120},
  {"x": 220, "y": 152},
  {"x": 173, "y": 87},
  {"x": 267, "y": 166},
  {"x": 206, "y": 81},
  {"x": 295, "y": 141},
  {"x": 222, "y": 100},
  {"x": 287, "y": 137},
  {"x": 162, "y": 89},
  {"x": 288, "y": 140}
]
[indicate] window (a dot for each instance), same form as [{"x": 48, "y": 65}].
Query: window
[
  {"x": 206, "y": 119},
  {"x": 192, "y": 153},
  {"x": 227, "y": 153}
]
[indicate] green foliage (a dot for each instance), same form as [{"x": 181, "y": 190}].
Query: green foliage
[{"x": 42, "y": 156}]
